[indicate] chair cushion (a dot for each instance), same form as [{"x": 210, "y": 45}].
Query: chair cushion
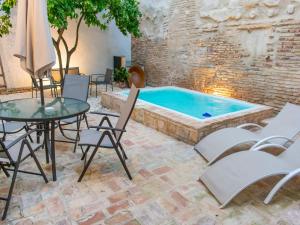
[
  {"x": 11, "y": 127},
  {"x": 91, "y": 137},
  {"x": 69, "y": 120},
  {"x": 15, "y": 150}
]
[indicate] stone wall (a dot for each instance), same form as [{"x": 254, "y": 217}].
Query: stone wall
[{"x": 246, "y": 49}]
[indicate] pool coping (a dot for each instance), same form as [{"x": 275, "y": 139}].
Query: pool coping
[{"x": 180, "y": 126}]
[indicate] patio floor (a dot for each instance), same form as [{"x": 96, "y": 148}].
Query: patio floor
[{"x": 164, "y": 189}]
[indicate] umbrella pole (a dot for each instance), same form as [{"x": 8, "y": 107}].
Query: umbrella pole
[{"x": 42, "y": 92}]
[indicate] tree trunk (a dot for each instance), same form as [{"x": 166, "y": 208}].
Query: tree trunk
[
  {"x": 56, "y": 44},
  {"x": 58, "y": 52},
  {"x": 69, "y": 52},
  {"x": 72, "y": 50}
]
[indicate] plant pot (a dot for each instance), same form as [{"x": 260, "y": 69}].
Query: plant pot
[
  {"x": 137, "y": 77},
  {"x": 122, "y": 84}
]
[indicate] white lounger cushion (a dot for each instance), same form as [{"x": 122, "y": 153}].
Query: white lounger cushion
[
  {"x": 286, "y": 123},
  {"x": 215, "y": 144},
  {"x": 232, "y": 174}
]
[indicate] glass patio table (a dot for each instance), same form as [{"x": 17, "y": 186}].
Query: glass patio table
[{"x": 31, "y": 110}]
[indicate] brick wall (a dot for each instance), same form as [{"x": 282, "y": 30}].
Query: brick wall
[{"x": 248, "y": 50}]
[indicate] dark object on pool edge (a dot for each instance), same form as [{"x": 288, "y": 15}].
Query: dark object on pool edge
[
  {"x": 137, "y": 76},
  {"x": 206, "y": 115}
]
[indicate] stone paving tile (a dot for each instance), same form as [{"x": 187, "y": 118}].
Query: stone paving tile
[{"x": 164, "y": 190}]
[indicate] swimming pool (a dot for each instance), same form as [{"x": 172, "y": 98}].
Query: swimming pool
[
  {"x": 184, "y": 114},
  {"x": 192, "y": 103}
]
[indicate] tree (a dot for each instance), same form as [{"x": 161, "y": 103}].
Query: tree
[
  {"x": 98, "y": 13},
  {"x": 5, "y": 8}
]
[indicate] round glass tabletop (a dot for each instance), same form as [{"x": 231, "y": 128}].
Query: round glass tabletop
[{"x": 31, "y": 109}]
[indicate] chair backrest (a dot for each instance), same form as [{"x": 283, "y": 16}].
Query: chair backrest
[
  {"x": 292, "y": 154},
  {"x": 36, "y": 82},
  {"x": 108, "y": 75},
  {"x": 55, "y": 75},
  {"x": 73, "y": 71},
  {"x": 286, "y": 123},
  {"x": 76, "y": 86},
  {"x": 2, "y": 126},
  {"x": 126, "y": 110}
]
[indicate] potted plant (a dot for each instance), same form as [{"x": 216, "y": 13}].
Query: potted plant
[{"x": 121, "y": 76}]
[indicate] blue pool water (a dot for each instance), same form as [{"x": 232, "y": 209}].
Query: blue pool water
[{"x": 192, "y": 103}]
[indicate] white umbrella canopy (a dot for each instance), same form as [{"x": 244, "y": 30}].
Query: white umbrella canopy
[{"x": 33, "y": 39}]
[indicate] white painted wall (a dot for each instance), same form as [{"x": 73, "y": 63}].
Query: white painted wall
[{"x": 94, "y": 53}]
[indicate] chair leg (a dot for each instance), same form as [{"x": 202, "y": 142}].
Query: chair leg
[
  {"x": 13, "y": 182},
  {"x": 123, "y": 162},
  {"x": 280, "y": 184},
  {"x": 88, "y": 164},
  {"x": 91, "y": 86},
  {"x": 46, "y": 152},
  {"x": 86, "y": 121},
  {"x": 123, "y": 151},
  {"x": 120, "y": 156},
  {"x": 96, "y": 90},
  {"x": 61, "y": 129},
  {"x": 36, "y": 162},
  {"x": 106, "y": 87},
  {"x": 4, "y": 170},
  {"x": 77, "y": 133},
  {"x": 38, "y": 134},
  {"x": 46, "y": 141},
  {"x": 29, "y": 136},
  {"x": 11, "y": 188},
  {"x": 85, "y": 153}
]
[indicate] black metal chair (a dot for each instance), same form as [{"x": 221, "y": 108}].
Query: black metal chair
[
  {"x": 56, "y": 77},
  {"x": 98, "y": 79},
  {"x": 76, "y": 87},
  {"x": 10, "y": 127},
  {"x": 109, "y": 136},
  {"x": 12, "y": 154},
  {"x": 47, "y": 84}
]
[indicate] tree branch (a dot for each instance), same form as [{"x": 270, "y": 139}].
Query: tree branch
[
  {"x": 56, "y": 46},
  {"x": 77, "y": 35},
  {"x": 60, "y": 34},
  {"x": 65, "y": 44}
]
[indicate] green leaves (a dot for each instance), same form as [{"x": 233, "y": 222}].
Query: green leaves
[
  {"x": 7, "y": 5},
  {"x": 126, "y": 15},
  {"x": 95, "y": 13},
  {"x": 121, "y": 75},
  {"x": 60, "y": 11},
  {"x": 5, "y": 23}
]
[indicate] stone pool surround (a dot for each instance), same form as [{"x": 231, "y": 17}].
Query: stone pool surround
[{"x": 182, "y": 127}]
